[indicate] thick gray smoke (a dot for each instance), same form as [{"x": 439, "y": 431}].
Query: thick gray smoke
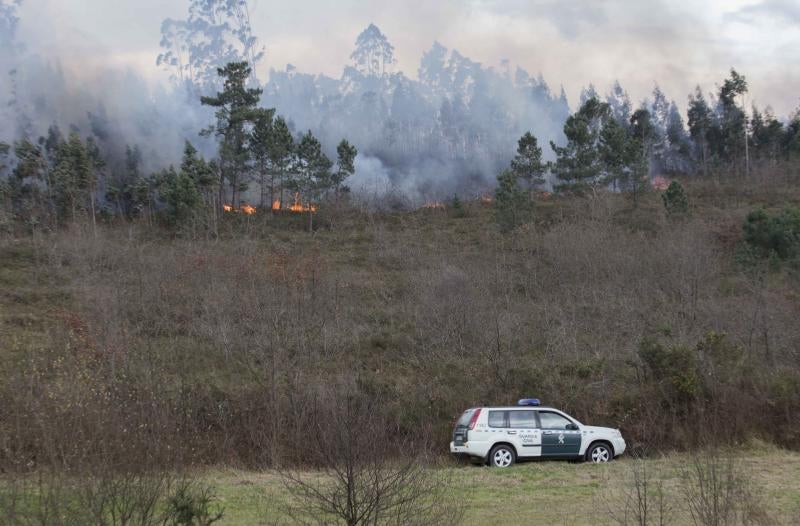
[
  {"x": 116, "y": 106},
  {"x": 448, "y": 130}
]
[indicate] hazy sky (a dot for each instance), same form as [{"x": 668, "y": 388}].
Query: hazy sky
[{"x": 677, "y": 43}]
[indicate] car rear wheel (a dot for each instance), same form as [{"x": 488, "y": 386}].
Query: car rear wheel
[
  {"x": 600, "y": 453},
  {"x": 502, "y": 456}
]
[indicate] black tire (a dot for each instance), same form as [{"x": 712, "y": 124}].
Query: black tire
[
  {"x": 600, "y": 453},
  {"x": 502, "y": 456}
]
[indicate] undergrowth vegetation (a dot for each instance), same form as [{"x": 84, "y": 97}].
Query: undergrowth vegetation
[{"x": 225, "y": 349}]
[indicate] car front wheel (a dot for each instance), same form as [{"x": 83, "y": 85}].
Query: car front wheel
[
  {"x": 599, "y": 453},
  {"x": 502, "y": 457}
]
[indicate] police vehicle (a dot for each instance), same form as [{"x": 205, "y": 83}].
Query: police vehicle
[{"x": 501, "y": 435}]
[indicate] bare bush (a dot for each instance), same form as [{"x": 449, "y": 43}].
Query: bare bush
[
  {"x": 365, "y": 476},
  {"x": 643, "y": 499},
  {"x": 718, "y": 492}
]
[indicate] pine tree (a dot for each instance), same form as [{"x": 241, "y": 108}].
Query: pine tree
[
  {"x": 512, "y": 207},
  {"x": 199, "y": 171},
  {"x": 236, "y": 113},
  {"x": 678, "y": 156},
  {"x": 312, "y": 173},
  {"x": 643, "y": 135},
  {"x": 578, "y": 164},
  {"x": 675, "y": 200},
  {"x": 617, "y": 152},
  {"x": 179, "y": 194},
  {"x": 281, "y": 150},
  {"x": 5, "y": 149},
  {"x": 345, "y": 164},
  {"x": 588, "y": 93},
  {"x": 457, "y": 207},
  {"x": 6, "y": 190},
  {"x": 700, "y": 120},
  {"x": 259, "y": 145},
  {"x": 72, "y": 177},
  {"x": 29, "y": 172},
  {"x": 527, "y": 165},
  {"x": 96, "y": 164},
  {"x": 733, "y": 121},
  {"x": 620, "y": 104}
]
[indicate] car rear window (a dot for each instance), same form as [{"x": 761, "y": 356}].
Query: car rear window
[
  {"x": 464, "y": 420},
  {"x": 498, "y": 419},
  {"x": 522, "y": 420}
]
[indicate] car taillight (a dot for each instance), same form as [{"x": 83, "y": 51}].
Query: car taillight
[{"x": 474, "y": 419}]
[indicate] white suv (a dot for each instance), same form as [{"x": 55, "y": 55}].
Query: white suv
[{"x": 501, "y": 435}]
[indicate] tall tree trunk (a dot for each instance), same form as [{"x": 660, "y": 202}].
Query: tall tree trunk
[
  {"x": 271, "y": 190},
  {"x": 262, "y": 184},
  {"x": 94, "y": 218},
  {"x": 221, "y": 190}
]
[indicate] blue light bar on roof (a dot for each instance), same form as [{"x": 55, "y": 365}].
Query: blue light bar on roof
[{"x": 529, "y": 401}]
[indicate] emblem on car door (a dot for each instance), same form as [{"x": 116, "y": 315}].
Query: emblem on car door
[{"x": 561, "y": 438}]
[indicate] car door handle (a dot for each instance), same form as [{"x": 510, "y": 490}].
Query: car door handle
[
  {"x": 512, "y": 432},
  {"x": 547, "y": 432}
]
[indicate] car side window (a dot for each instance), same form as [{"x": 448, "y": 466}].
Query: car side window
[
  {"x": 553, "y": 420},
  {"x": 498, "y": 419},
  {"x": 522, "y": 420}
]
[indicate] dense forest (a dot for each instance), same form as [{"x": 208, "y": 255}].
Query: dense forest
[{"x": 449, "y": 131}]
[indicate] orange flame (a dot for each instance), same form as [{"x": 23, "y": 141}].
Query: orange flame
[
  {"x": 245, "y": 209},
  {"x": 434, "y": 205},
  {"x": 276, "y": 205},
  {"x": 660, "y": 183},
  {"x": 487, "y": 199},
  {"x": 298, "y": 206}
]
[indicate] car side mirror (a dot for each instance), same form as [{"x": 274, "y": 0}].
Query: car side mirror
[{"x": 572, "y": 427}]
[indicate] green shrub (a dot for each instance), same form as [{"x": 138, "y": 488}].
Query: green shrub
[
  {"x": 675, "y": 200},
  {"x": 773, "y": 235},
  {"x": 457, "y": 207},
  {"x": 192, "y": 505},
  {"x": 675, "y": 368}
]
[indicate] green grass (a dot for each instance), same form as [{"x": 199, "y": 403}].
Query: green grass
[{"x": 536, "y": 492}]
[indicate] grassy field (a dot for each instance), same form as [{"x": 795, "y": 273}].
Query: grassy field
[{"x": 541, "y": 492}]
